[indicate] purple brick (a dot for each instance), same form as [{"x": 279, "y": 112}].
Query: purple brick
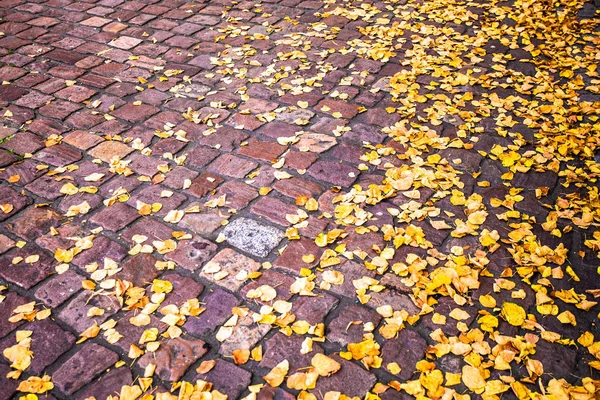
[{"x": 82, "y": 367}]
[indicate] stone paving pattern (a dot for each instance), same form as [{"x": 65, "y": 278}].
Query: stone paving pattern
[{"x": 90, "y": 82}]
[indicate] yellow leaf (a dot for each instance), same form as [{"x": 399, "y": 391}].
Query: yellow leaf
[
  {"x": 324, "y": 365},
  {"x": 69, "y": 189},
  {"x": 206, "y": 366},
  {"x": 487, "y": 301},
  {"x": 240, "y": 356},
  {"x": 473, "y": 379},
  {"x": 513, "y": 313},
  {"x": 32, "y": 258},
  {"x": 567, "y": 317},
  {"x": 394, "y": 368},
  {"x": 459, "y": 315},
  {"x": 130, "y": 392},
  {"x": 276, "y": 376},
  {"x": 36, "y": 385},
  {"x": 257, "y": 353}
]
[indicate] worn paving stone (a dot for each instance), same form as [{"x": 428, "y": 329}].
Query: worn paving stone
[
  {"x": 174, "y": 357},
  {"x": 103, "y": 248},
  {"x": 154, "y": 194},
  {"x": 26, "y": 171},
  {"x": 271, "y": 393},
  {"x": 230, "y": 269},
  {"x": 252, "y": 237},
  {"x": 406, "y": 349},
  {"x": 107, "y": 384},
  {"x": 15, "y": 199},
  {"x": 7, "y": 158},
  {"x": 23, "y": 143},
  {"x": 314, "y": 309},
  {"x": 75, "y": 93},
  {"x": 558, "y": 360},
  {"x": 48, "y": 342},
  {"x": 177, "y": 177},
  {"x": 184, "y": 289},
  {"x": 281, "y": 347},
  {"x": 205, "y": 222},
  {"x": 59, "y": 289},
  {"x": 115, "y": 217},
  {"x": 139, "y": 270},
  {"x": 225, "y": 138},
  {"x": 46, "y": 187},
  {"x": 132, "y": 333},
  {"x": 227, "y": 378},
  {"x": 232, "y": 166},
  {"x": 75, "y": 312},
  {"x": 58, "y": 156},
  {"x": 237, "y": 194},
  {"x": 193, "y": 253},
  {"x": 277, "y": 280},
  {"x": 82, "y": 367},
  {"x": 34, "y": 222},
  {"x": 296, "y": 187},
  {"x": 291, "y": 258},
  {"x": 6, "y": 243},
  {"x": 205, "y": 184},
  {"x": 246, "y": 334},
  {"x": 201, "y": 156},
  {"x": 26, "y": 274},
  {"x": 333, "y": 172},
  {"x": 267, "y": 151},
  {"x": 132, "y": 113},
  {"x": 351, "y": 379},
  {"x": 444, "y": 307},
  {"x": 150, "y": 228},
  {"x": 351, "y": 271},
  {"x": 218, "y": 305},
  {"x": 62, "y": 238},
  {"x": 315, "y": 142},
  {"x": 9, "y": 386},
  {"x": 125, "y": 42},
  {"x": 106, "y": 150},
  {"x": 144, "y": 165},
  {"x": 300, "y": 160},
  {"x": 342, "y": 329},
  {"x": 12, "y": 301},
  {"x": 274, "y": 210}
]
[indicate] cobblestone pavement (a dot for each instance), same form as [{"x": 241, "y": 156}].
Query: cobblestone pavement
[{"x": 296, "y": 198}]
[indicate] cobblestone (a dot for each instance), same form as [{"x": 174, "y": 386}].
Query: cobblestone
[
  {"x": 192, "y": 254},
  {"x": 317, "y": 152},
  {"x": 174, "y": 357},
  {"x": 82, "y": 367},
  {"x": 48, "y": 342},
  {"x": 231, "y": 267}
]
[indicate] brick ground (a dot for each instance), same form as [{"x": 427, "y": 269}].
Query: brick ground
[{"x": 119, "y": 115}]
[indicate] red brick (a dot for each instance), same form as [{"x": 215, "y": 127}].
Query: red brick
[
  {"x": 347, "y": 110},
  {"x": 115, "y": 217},
  {"x": 132, "y": 113},
  {"x": 233, "y": 166},
  {"x": 82, "y": 367},
  {"x": 291, "y": 258},
  {"x": 295, "y": 187},
  {"x": 274, "y": 210},
  {"x": 238, "y": 194},
  {"x": 267, "y": 151}
]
